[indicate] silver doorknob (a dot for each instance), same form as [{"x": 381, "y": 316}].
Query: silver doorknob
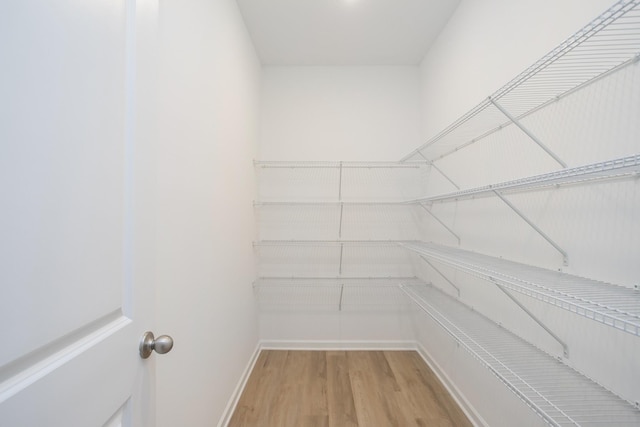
[{"x": 163, "y": 344}]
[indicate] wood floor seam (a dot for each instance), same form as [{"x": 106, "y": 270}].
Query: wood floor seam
[{"x": 310, "y": 388}]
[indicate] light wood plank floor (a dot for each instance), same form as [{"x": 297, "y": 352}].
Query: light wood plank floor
[{"x": 345, "y": 389}]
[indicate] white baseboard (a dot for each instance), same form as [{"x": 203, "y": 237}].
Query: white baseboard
[
  {"x": 337, "y": 345},
  {"x": 235, "y": 397},
  {"x": 457, "y": 395}
]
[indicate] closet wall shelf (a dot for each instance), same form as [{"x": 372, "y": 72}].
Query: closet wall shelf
[
  {"x": 335, "y": 293},
  {"x": 612, "y": 305},
  {"x": 611, "y": 169},
  {"x": 330, "y": 203},
  {"x": 607, "y": 44},
  {"x": 555, "y": 391},
  {"x": 338, "y": 165},
  {"x": 331, "y": 242},
  {"x": 392, "y": 280}
]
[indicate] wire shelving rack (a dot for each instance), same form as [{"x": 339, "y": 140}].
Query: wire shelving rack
[
  {"x": 328, "y": 203},
  {"x": 337, "y": 165},
  {"x": 343, "y": 184},
  {"x": 332, "y": 293},
  {"x": 313, "y": 243},
  {"x": 611, "y": 169},
  {"x": 612, "y": 305},
  {"x": 555, "y": 391},
  {"x": 559, "y": 394},
  {"x": 326, "y": 258},
  {"x": 607, "y": 44}
]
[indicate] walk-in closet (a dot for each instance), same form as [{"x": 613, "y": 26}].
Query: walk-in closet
[
  {"x": 340, "y": 213},
  {"x": 505, "y": 246}
]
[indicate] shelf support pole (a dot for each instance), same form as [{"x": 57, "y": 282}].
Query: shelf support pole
[
  {"x": 565, "y": 348},
  {"x": 341, "y": 293},
  {"x": 341, "y": 251},
  {"x": 440, "y": 221},
  {"x": 441, "y": 274},
  {"x": 432, "y": 164},
  {"x": 565, "y": 256},
  {"x": 528, "y": 133},
  {"x": 340, "y": 226},
  {"x": 340, "y": 183}
]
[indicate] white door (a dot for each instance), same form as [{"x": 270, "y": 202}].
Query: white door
[{"x": 76, "y": 274}]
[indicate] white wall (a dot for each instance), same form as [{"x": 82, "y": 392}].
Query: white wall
[
  {"x": 333, "y": 113},
  {"x": 339, "y": 113},
  {"x": 315, "y": 113},
  {"x": 484, "y": 45},
  {"x": 207, "y": 94},
  {"x": 310, "y": 312}
]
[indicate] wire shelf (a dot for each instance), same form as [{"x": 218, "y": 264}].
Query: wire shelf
[
  {"x": 338, "y": 165},
  {"x": 314, "y": 243},
  {"x": 612, "y": 305},
  {"x": 346, "y": 221},
  {"x": 349, "y": 182},
  {"x": 328, "y": 203},
  {"x": 332, "y": 293},
  {"x": 607, "y": 44},
  {"x": 558, "y": 393},
  {"x": 313, "y": 258},
  {"x": 610, "y": 169}
]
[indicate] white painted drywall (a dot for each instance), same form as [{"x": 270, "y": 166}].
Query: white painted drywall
[
  {"x": 320, "y": 314},
  {"x": 339, "y": 113},
  {"x": 334, "y": 113},
  {"x": 485, "y": 45},
  {"x": 207, "y": 93}
]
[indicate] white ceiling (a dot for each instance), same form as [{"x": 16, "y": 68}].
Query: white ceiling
[{"x": 344, "y": 32}]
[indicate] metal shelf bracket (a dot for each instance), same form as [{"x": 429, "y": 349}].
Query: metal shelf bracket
[
  {"x": 340, "y": 226},
  {"x": 528, "y": 133},
  {"x": 565, "y": 348},
  {"x": 441, "y": 274},
  {"x": 433, "y": 165},
  {"x": 565, "y": 257},
  {"x": 440, "y": 221}
]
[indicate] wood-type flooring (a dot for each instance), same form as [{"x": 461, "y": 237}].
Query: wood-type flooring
[{"x": 344, "y": 389}]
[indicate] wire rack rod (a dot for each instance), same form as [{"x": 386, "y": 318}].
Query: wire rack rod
[
  {"x": 332, "y": 293},
  {"x": 338, "y": 165},
  {"x": 495, "y": 365},
  {"x": 610, "y": 169},
  {"x": 612, "y": 305},
  {"x": 329, "y": 203},
  {"x": 555, "y": 391},
  {"x": 609, "y": 42},
  {"x": 369, "y": 279},
  {"x": 330, "y": 242}
]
